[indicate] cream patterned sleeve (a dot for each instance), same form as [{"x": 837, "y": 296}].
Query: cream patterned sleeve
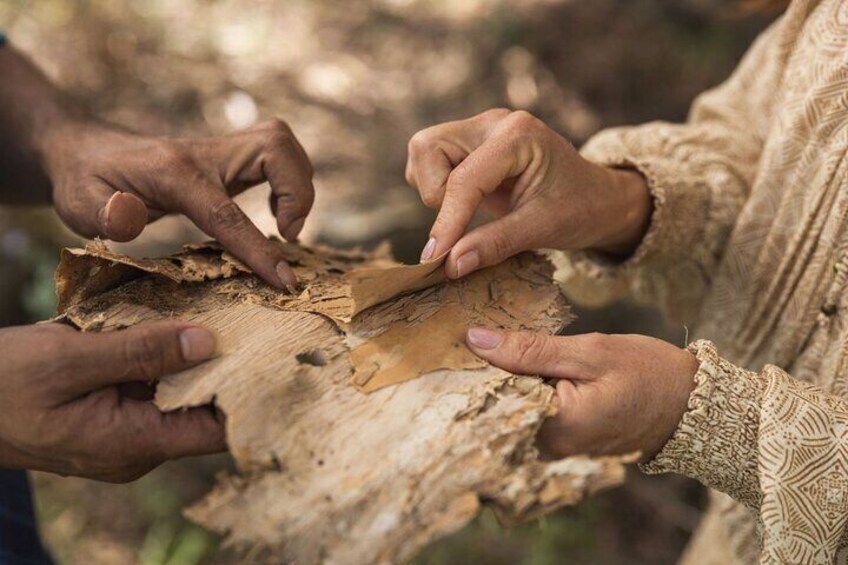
[
  {"x": 776, "y": 444},
  {"x": 699, "y": 174}
]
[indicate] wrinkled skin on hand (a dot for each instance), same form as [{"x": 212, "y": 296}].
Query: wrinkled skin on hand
[
  {"x": 111, "y": 184},
  {"x": 538, "y": 188},
  {"x": 79, "y": 404},
  {"x": 619, "y": 393}
]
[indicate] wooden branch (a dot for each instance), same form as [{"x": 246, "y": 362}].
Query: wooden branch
[{"x": 361, "y": 425}]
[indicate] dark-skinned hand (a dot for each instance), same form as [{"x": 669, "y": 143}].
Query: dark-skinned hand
[
  {"x": 70, "y": 402},
  {"x": 111, "y": 184}
]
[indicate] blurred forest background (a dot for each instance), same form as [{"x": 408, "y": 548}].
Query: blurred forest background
[{"x": 355, "y": 79}]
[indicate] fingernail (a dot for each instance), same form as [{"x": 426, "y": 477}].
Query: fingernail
[
  {"x": 294, "y": 230},
  {"x": 287, "y": 277},
  {"x": 293, "y": 289},
  {"x": 467, "y": 263},
  {"x": 104, "y": 214},
  {"x": 481, "y": 338},
  {"x": 427, "y": 252},
  {"x": 197, "y": 344}
]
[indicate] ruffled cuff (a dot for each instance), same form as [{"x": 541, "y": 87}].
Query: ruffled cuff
[{"x": 716, "y": 441}]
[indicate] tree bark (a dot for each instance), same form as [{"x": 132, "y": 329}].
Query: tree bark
[{"x": 361, "y": 425}]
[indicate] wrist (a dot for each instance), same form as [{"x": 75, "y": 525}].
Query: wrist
[
  {"x": 684, "y": 367},
  {"x": 66, "y": 142},
  {"x": 626, "y": 212},
  {"x": 35, "y": 109},
  {"x": 56, "y": 139}
]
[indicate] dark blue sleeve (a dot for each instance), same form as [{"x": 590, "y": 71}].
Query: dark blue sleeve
[
  {"x": 19, "y": 540},
  {"x": 2, "y": 39}
]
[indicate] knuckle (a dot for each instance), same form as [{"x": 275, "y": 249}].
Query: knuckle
[
  {"x": 284, "y": 142},
  {"x": 306, "y": 199},
  {"x": 522, "y": 129},
  {"x": 419, "y": 142},
  {"x": 295, "y": 204},
  {"x": 522, "y": 120},
  {"x": 277, "y": 125},
  {"x": 501, "y": 246},
  {"x": 227, "y": 215},
  {"x": 174, "y": 155},
  {"x": 531, "y": 348},
  {"x": 460, "y": 179},
  {"x": 431, "y": 199},
  {"x": 495, "y": 114},
  {"x": 595, "y": 342},
  {"x": 142, "y": 351}
]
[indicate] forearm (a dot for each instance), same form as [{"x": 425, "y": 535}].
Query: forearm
[{"x": 32, "y": 114}]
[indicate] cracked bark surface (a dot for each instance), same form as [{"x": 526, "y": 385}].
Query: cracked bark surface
[{"x": 361, "y": 426}]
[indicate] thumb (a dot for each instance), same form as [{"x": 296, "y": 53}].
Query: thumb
[
  {"x": 142, "y": 353},
  {"x": 528, "y": 353},
  {"x": 122, "y": 217},
  {"x": 491, "y": 243},
  {"x": 97, "y": 210}
]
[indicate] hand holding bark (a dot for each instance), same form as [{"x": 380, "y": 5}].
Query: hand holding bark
[
  {"x": 65, "y": 407},
  {"x": 111, "y": 184},
  {"x": 108, "y": 183},
  {"x": 619, "y": 393},
  {"x": 542, "y": 193}
]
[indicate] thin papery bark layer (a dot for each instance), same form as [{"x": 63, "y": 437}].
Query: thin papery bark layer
[{"x": 337, "y": 284}]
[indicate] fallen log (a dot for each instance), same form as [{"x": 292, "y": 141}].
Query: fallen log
[{"x": 361, "y": 426}]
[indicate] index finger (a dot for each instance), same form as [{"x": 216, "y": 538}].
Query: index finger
[
  {"x": 479, "y": 175},
  {"x": 221, "y": 218}
]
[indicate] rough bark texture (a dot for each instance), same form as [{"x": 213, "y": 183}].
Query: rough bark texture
[{"x": 361, "y": 425}]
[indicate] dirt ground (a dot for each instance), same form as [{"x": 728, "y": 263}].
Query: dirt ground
[{"x": 355, "y": 80}]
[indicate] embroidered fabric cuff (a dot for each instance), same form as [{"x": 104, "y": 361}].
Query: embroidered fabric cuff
[{"x": 716, "y": 441}]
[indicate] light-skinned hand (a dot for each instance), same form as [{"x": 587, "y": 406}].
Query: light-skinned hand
[
  {"x": 618, "y": 393},
  {"x": 538, "y": 188}
]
